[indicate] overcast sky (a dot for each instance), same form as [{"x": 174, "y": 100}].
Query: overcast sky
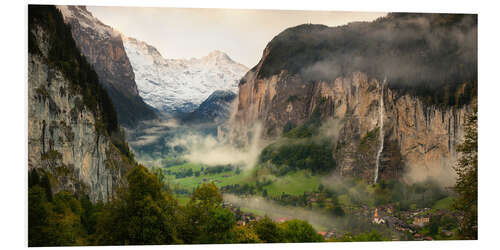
[{"x": 242, "y": 34}]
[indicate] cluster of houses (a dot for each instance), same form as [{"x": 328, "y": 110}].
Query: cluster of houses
[
  {"x": 243, "y": 218},
  {"x": 408, "y": 221},
  {"x": 331, "y": 234},
  {"x": 419, "y": 218}
]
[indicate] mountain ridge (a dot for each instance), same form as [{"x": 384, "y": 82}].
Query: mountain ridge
[
  {"x": 216, "y": 108},
  {"x": 340, "y": 74},
  {"x": 180, "y": 84},
  {"x": 103, "y": 47}
]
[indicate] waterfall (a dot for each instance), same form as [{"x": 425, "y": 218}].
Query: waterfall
[{"x": 381, "y": 131}]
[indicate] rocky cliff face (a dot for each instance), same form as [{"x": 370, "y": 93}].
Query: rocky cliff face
[
  {"x": 216, "y": 108},
  {"x": 406, "y": 125},
  {"x": 103, "y": 48},
  {"x": 63, "y": 134},
  {"x": 417, "y": 138}
]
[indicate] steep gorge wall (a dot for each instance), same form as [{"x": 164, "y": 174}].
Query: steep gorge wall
[
  {"x": 63, "y": 134},
  {"x": 103, "y": 48},
  {"x": 418, "y": 139}
]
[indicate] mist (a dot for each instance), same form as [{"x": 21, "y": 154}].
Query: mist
[
  {"x": 411, "y": 50},
  {"x": 441, "y": 171},
  {"x": 211, "y": 151},
  {"x": 318, "y": 220}
]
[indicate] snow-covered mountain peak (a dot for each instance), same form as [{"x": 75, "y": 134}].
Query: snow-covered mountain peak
[
  {"x": 217, "y": 56},
  {"x": 180, "y": 84}
]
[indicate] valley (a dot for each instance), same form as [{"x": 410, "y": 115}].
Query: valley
[
  {"x": 336, "y": 205},
  {"x": 336, "y": 134}
]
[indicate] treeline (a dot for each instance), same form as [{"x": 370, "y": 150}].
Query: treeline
[
  {"x": 146, "y": 213},
  {"x": 300, "y": 150},
  {"x": 188, "y": 172}
]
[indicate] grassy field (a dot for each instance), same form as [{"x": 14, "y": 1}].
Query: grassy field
[
  {"x": 191, "y": 182},
  {"x": 293, "y": 183},
  {"x": 445, "y": 203},
  {"x": 182, "y": 199}
]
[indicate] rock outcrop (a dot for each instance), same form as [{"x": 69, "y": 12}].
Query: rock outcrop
[
  {"x": 64, "y": 138},
  {"x": 314, "y": 70},
  {"x": 418, "y": 137},
  {"x": 215, "y": 109},
  {"x": 103, "y": 47}
]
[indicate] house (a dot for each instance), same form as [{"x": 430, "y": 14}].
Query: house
[
  {"x": 447, "y": 233},
  {"x": 329, "y": 234},
  {"x": 281, "y": 220},
  {"x": 417, "y": 236},
  {"x": 421, "y": 221},
  {"x": 376, "y": 218}
]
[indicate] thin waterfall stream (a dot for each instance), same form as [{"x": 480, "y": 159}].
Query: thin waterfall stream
[{"x": 381, "y": 131}]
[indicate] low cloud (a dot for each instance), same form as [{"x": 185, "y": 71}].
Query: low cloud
[
  {"x": 318, "y": 220},
  {"x": 440, "y": 171},
  {"x": 207, "y": 149}
]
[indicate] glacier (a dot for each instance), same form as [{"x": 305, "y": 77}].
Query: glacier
[{"x": 180, "y": 84}]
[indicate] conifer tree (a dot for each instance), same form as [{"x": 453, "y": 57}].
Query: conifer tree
[{"x": 466, "y": 185}]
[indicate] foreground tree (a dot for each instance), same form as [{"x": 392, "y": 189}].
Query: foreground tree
[
  {"x": 54, "y": 222},
  {"x": 466, "y": 185},
  {"x": 268, "y": 231},
  {"x": 144, "y": 215},
  {"x": 204, "y": 220},
  {"x": 245, "y": 234},
  {"x": 300, "y": 231}
]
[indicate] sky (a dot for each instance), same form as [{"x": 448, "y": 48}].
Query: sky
[{"x": 190, "y": 32}]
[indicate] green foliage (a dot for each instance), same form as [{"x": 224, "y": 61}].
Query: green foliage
[
  {"x": 292, "y": 98},
  {"x": 368, "y": 236},
  {"x": 145, "y": 213},
  {"x": 39, "y": 211},
  {"x": 289, "y": 231},
  {"x": 437, "y": 224},
  {"x": 466, "y": 185},
  {"x": 306, "y": 154},
  {"x": 268, "y": 231},
  {"x": 204, "y": 219},
  {"x": 423, "y": 56},
  {"x": 218, "y": 226},
  {"x": 369, "y": 138},
  {"x": 288, "y": 126},
  {"x": 55, "y": 222},
  {"x": 300, "y": 231},
  {"x": 245, "y": 234},
  {"x": 299, "y": 132}
]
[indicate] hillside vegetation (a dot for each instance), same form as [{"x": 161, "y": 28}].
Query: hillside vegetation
[{"x": 433, "y": 56}]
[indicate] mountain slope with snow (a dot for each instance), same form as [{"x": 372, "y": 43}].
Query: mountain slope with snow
[
  {"x": 103, "y": 48},
  {"x": 180, "y": 84}
]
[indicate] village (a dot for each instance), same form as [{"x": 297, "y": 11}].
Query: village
[{"x": 403, "y": 225}]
